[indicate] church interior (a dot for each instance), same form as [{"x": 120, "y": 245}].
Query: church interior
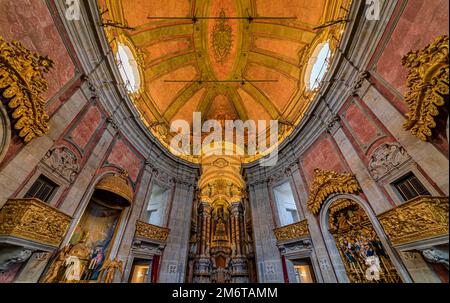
[{"x": 118, "y": 164}]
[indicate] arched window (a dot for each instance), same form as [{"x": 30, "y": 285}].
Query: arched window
[
  {"x": 318, "y": 65},
  {"x": 285, "y": 202},
  {"x": 128, "y": 68}
]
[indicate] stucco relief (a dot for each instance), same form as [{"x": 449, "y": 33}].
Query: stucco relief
[
  {"x": 385, "y": 158},
  {"x": 63, "y": 161}
]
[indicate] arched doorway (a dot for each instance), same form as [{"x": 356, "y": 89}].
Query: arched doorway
[
  {"x": 90, "y": 244},
  {"x": 363, "y": 254}
]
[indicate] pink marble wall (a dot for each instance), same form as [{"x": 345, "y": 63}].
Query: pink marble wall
[
  {"x": 362, "y": 127},
  {"x": 421, "y": 22},
  {"x": 323, "y": 155},
  {"x": 30, "y": 22},
  {"x": 86, "y": 127},
  {"x": 123, "y": 156}
]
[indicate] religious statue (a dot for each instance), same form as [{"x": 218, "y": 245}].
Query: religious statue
[
  {"x": 78, "y": 256},
  {"x": 53, "y": 272},
  {"x": 374, "y": 269},
  {"x": 110, "y": 267},
  {"x": 73, "y": 269}
]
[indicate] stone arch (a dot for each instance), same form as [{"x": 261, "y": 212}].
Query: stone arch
[
  {"x": 330, "y": 243},
  {"x": 80, "y": 238}
]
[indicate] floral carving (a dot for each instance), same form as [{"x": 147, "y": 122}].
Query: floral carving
[
  {"x": 428, "y": 85},
  {"x": 327, "y": 183},
  {"x": 22, "y": 82},
  {"x": 385, "y": 158}
]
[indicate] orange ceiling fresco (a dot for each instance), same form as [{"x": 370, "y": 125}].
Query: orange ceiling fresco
[{"x": 222, "y": 49}]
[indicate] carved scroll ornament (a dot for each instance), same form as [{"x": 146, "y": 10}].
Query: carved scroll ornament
[
  {"x": 327, "y": 183},
  {"x": 33, "y": 220},
  {"x": 428, "y": 85},
  {"x": 151, "y": 232},
  {"x": 292, "y": 231},
  {"x": 22, "y": 83},
  {"x": 419, "y": 219}
]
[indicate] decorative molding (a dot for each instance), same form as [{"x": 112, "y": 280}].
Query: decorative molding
[
  {"x": 292, "y": 231},
  {"x": 419, "y": 219},
  {"x": 34, "y": 220},
  {"x": 222, "y": 39},
  {"x": 385, "y": 158},
  {"x": 427, "y": 86},
  {"x": 118, "y": 185},
  {"x": 221, "y": 163},
  {"x": 221, "y": 188},
  {"x": 359, "y": 83},
  {"x": 327, "y": 183},
  {"x": 63, "y": 161},
  {"x": 151, "y": 232},
  {"x": 22, "y": 82}
]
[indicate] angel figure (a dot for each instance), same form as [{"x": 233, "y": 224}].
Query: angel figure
[{"x": 110, "y": 267}]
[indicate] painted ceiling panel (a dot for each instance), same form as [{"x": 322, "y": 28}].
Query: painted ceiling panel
[
  {"x": 279, "y": 93},
  {"x": 162, "y": 91},
  {"x": 137, "y": 11},
  {"x": 205, "y": 56}
]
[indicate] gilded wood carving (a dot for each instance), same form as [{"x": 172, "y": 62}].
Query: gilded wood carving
[
  {"x": 419, "y": 219},
  {"x": 327, "y": 183},
  {"x": 33, "y": 220},
  {"x": 22, "y": 82},
  {"x": 292, "y": 231},
  {"x": 364, "y": 257},
  {"x": 428, "y": 85},
  {"x": 151, "y": 232}
]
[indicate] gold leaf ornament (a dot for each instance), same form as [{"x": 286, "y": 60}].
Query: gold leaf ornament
[
  {"x": 22, "y": 82},
  {"x": 428, "y": 85},
  {"x": 327, "y": 183}
]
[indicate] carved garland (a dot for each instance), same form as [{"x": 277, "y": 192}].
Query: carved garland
[
  {"x": 428, "y": 85},
  {"x": 22, "y": 82},
  {"x": 329, "y": 182}
]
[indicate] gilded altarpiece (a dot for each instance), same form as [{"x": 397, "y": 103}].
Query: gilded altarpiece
[{"x": 364, "y": 257}]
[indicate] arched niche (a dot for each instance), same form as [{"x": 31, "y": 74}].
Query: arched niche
[
  {"x": 337, "y": 258},
  {"x": 91, "y": 241},
  {"x": 5, "y": 132}
]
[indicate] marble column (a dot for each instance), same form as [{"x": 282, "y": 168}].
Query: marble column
[
  {"x": 202, "y": 262},
  {"x": 376, "y": 198},
  {"x": 268, "y": 260},
  {"x": 174, "y": 260}
]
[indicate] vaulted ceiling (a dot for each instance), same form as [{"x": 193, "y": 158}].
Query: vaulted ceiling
[{"x": 221, "y": 49}]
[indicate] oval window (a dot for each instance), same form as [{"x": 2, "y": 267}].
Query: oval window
[
  {"x": 128, "y": 68},
  {"x": 318, "y": 65}
]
